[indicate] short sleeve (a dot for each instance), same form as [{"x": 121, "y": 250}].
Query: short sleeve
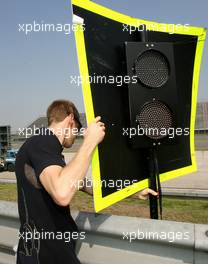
[{"x": 45, "y": 151}]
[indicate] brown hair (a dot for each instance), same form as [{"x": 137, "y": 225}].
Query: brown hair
[{"x": 58, "y": 110}]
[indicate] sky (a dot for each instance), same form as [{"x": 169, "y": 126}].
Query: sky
[{"x": 36, "y": 67}]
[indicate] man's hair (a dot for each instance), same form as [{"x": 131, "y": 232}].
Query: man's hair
[{"x": 58, "y": 110}]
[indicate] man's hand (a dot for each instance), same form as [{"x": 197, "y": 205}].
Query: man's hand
[
  {"x": 144, "y": 194},
  {"x": 95, "y": 132}
]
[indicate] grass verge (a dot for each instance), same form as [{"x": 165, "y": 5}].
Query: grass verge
[{"x": 174, "y": 209}]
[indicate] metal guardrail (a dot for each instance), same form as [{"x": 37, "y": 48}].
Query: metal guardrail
[
  {"x": 120, "y": 239},
  {"x": 184, "y": 193}
]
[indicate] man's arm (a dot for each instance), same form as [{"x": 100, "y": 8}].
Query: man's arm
[
  {"x": 142, "y": 195},
  {"x": 62, "y": 183}
]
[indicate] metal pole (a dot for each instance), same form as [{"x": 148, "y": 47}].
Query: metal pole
[{"x": 152, "y": 185}]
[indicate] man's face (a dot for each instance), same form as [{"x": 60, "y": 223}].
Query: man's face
[{"x": 70, "y": 135}]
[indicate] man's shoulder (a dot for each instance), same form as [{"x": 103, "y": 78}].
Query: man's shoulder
[
  {"x": 38, "y": 140},
  {"x": 41, "y": 135},
  {"x": 41, "y": 144},
  {"x": 35, "y": 139}
]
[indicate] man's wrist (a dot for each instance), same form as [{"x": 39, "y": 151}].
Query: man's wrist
[{"x": 89, "y": 145}]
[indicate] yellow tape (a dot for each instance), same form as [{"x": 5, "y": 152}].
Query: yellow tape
[{"x": 111, "y": 14}]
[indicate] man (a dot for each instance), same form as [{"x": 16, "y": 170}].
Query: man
[{"x": 46, "y": 186}]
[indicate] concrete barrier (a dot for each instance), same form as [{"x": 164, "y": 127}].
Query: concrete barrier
[{"x": 120, "y": 239}]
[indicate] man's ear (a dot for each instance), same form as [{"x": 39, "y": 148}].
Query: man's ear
[{"x": 69, "y": 119}]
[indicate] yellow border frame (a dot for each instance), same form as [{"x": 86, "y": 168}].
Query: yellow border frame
[{"x": 100, "y": 202}]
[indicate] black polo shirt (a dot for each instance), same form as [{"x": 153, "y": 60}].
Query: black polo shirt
[{"x": 48, "y": 232}]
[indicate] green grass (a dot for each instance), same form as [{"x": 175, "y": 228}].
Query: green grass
[
  {"x": 8, "y": 192},
  {"x": 175, "y": 209}
]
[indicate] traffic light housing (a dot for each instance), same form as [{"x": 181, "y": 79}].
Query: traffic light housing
[{"x": 103, "y": 50}]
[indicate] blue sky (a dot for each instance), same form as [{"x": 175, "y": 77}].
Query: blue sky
[{"x": 36, "y": 68}]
